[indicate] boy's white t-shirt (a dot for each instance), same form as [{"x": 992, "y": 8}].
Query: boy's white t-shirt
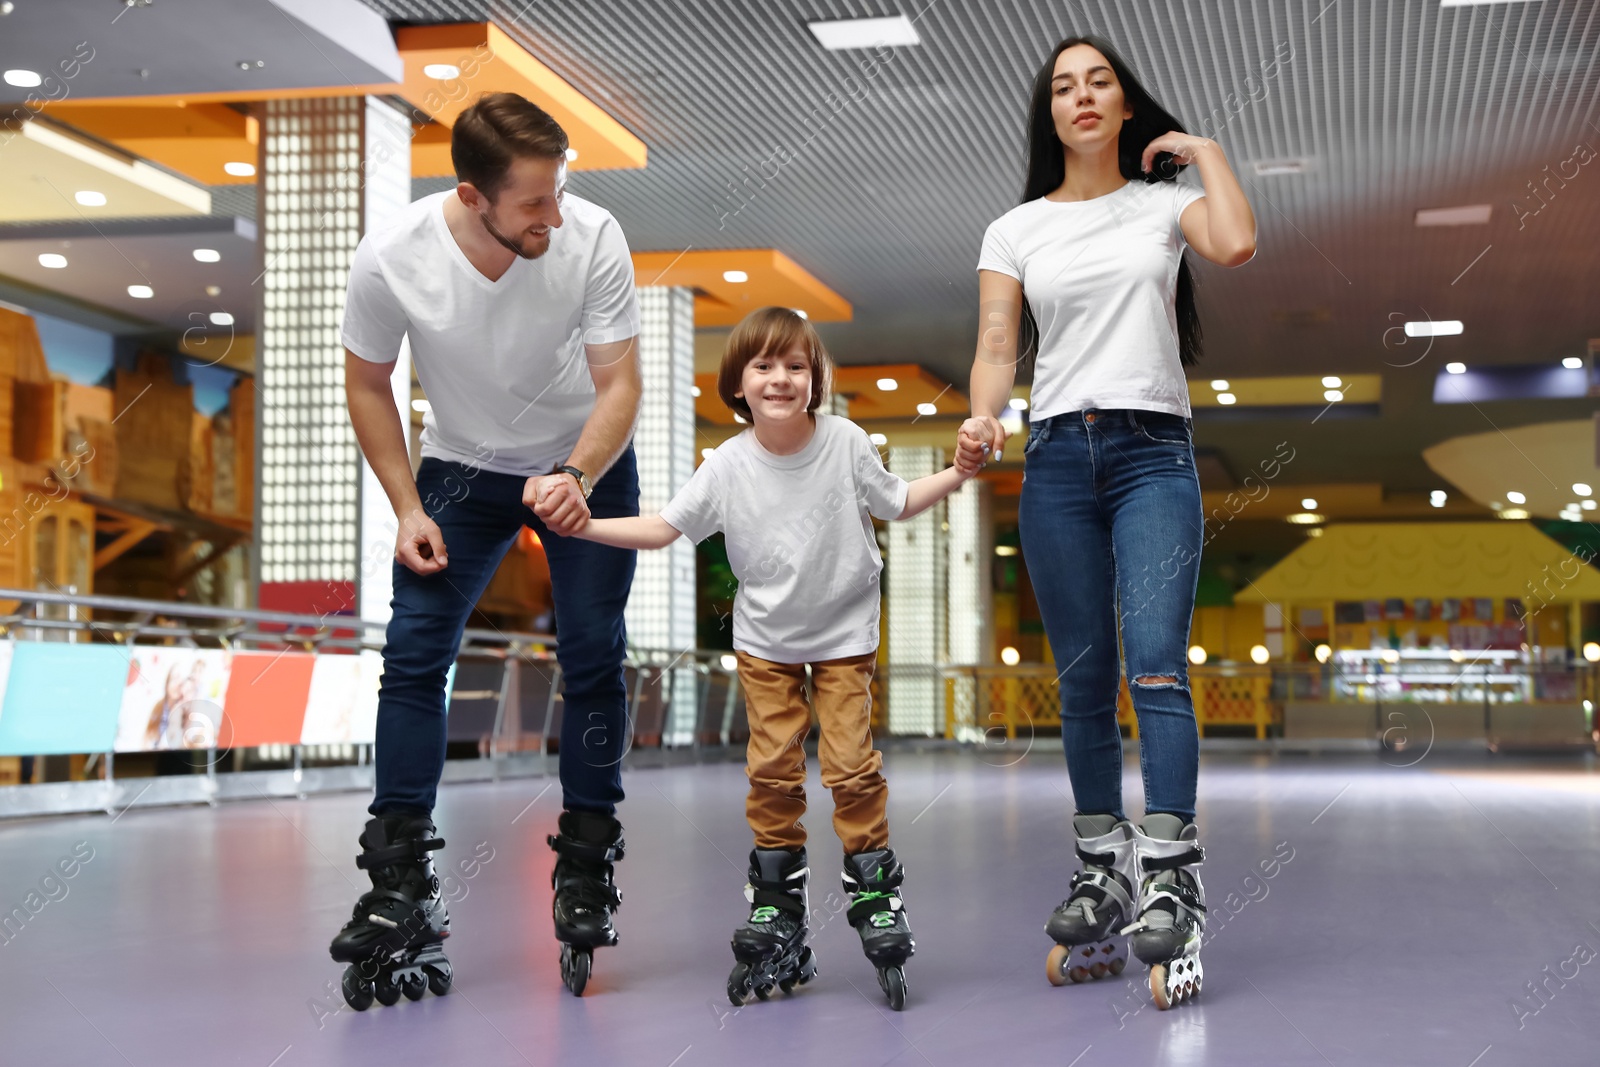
[
  {"x": 799, "y": 538},
  {"x": 1100, "y": 276},
  {"x": 502, "y": 362}
]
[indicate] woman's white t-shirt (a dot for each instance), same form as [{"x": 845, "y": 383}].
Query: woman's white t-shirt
[
  {"x": 799, "y": 537},
  {"x": 1100, "y": 276}
]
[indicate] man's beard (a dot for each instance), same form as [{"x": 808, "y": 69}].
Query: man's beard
[{"x": 494, "y": 232}]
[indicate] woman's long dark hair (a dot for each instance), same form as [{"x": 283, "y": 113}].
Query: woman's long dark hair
[{"x": 1047, "y": 169}]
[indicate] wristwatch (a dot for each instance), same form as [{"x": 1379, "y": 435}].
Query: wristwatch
[{"x": 583, "y": 479}]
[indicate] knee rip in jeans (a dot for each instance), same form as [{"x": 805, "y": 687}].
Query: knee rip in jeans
[{"x": 1158, "y": 681}]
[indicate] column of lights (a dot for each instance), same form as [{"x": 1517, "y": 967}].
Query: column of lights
[
  {"x": 916, "y": 604},
  {"x": 660, "y": 616}
]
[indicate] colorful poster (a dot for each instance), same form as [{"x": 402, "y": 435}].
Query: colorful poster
[
  {"x": 173, "y": 698},
  {"x": 1422, "y": 607},
  {"x": 266, "y": 697},
  {"x": 1450, "y": 609},
  {"x": 61, "y": 698},
  {"x": 342, "y": 706}
]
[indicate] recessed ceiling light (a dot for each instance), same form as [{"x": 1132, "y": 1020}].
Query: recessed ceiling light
[
  {"x": 23, "y": 79},
  {"x": 141, "y": 292},
  {"x": 1220, "y": 384},
  {"x": 1513, "y": 513},
  {"x": 221, "y": 318},
  {"x": 1226, "y": 398},
  {"x": 801, "y": 312},
  {"x": 1470, "y": 215},
  {"x": 735, "y": 276},
  {"x": 1332, "y": 396},
  {"x": 1573, "y": 363},
  {"x": 1305, "y": 518},
  {"x": 1588, "y": 505},
  {"x": 888, "y": 385},
  {"x": 1582, "y": 489},
  {"x": 1443, "y": 328},
  {"x": 90, "y": 198},
  {"x": 53, "y": 260},
  {"x": 1309, "y": 503},
  {"x": 878, "y": 439},
  {"x": 1020, "y": 403},
  {"x": 927, "y": 409},
  {"x": 694, "y": 390},
  {"x": 240, "y": 170},
  {"x": 421, "y": 406},
  {"x": 572, "y": 154},
  {"x": 837, "y": 35},
  {"x": 705, "y": 453},
  {"x": 1331, "y": 381},
  {"x": 441, "y": 71},
  {"x": 1005, "y": 550},
  {"x": 213, "y": 290},
  {"x": 1268, "y": 168},
  {"x": 1455, "y": 368},
  {"x": 207, "y": 255},
  {"x": 1438, "y": 498},
  {"x": 1516, "y": 498}
]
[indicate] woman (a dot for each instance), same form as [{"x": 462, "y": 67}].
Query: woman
[{"x": 1087, "y": 276}]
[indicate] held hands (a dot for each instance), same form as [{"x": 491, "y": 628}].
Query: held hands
[
  {"x": 978, "y": 439},
  {"x": 420, "y": 544},
  {"x": 557, "y": 499},
  {"x": 1185, "y": 149}
]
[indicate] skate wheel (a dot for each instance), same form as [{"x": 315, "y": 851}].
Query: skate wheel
[
  {"x": 764, "y": 992},
  {"x": 1117, "y": 965},
  {"x": 1055, "y": 964},
  {"x": 808, "y": 966},
  {"x": 1098, "y": 970},
  {"x": 575, "y": 963},
  {"x": 738, "y": 984},
  {"x": 439, "y": 978},
  {"x": 788, "y": 984},
  {"x": 893, "y": 980},
  {"x": 413, "y": 986},
  {"x": 357, "y": 991},
  {"x": 386, "y": 989},
  {"x": 1158, "y": 986}
]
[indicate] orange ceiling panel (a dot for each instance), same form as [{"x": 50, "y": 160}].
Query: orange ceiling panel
[
  {"x": 486, "y": 60},
  {"x": 430, "y": 152},
  {"x": 772, "y": 279},
  {"x": 193, "y": 139}
]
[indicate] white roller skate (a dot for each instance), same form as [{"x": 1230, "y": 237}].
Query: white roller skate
[
  {"x": 1087, "y": 926},
  {"x": 1172, "y": 907}
]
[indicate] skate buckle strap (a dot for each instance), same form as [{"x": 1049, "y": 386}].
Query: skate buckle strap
[
  {"x": 1195, "y": 854},
  {"x": 1097, "y": 859},
  {"x": 765, "y": 894},
  {"x": 413, "y": 849},
  {"x": 586, "y": 850},
  {"x": 1179, "y": 892}
]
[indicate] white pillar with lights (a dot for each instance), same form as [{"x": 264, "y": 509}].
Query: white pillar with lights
[
  {"x": 661, "y": 608},
  {"x": 915, "y": 606}
]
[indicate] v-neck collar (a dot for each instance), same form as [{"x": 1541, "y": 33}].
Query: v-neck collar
[{"x": 483, "y": 280}]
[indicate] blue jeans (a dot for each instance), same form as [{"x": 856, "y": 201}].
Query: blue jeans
[
  {"x": 480, "y": 512},
  {"x": 1112, "y": 527}
]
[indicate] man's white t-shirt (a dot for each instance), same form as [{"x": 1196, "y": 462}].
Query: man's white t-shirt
[
  {"x": 502, "y": 362},
  {"x": 799, "y": 538},
  {"x": 1100, "y": 276}
]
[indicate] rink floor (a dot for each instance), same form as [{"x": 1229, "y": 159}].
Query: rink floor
[{"x": 1401, "y": 916}]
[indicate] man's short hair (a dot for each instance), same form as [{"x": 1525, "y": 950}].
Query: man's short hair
[{"x": 496, "y": 131}]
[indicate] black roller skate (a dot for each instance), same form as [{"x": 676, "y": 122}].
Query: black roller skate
[
  {"x": 771, "y": 947},
  {"x": 872, "y": 881},
  {"x": 586, "y": 845},
  {"x": 1172, "y": 908},
  {"x": 392, "y": 941},
  {"x": 1087, "y": 926}
]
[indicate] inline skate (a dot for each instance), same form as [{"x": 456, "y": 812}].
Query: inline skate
[
  {"x": 392, "y": 941},
  {"x": 872, "y": 881},
  {"x": 770, "y": 948},
  {"x": 1172, "y": 906},
  {"x": 1087, "y": 926},
  {"x": 586, "y": 845}
]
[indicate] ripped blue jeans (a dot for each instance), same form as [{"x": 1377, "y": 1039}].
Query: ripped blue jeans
[{"x": 1112, "y": 528}]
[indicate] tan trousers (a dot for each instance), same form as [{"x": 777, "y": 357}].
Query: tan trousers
[{"x": 780, "y": 719}]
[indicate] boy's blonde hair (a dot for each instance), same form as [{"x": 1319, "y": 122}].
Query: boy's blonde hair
[{"x": 768, "y": 332}]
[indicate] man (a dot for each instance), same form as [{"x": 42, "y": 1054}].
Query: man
[{"x": 518, "y": 303}]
